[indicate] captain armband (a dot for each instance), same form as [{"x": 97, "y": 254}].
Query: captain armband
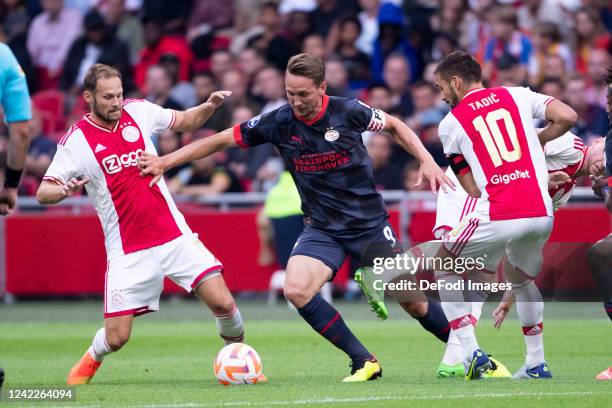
[{"x": 458, "y": 164}]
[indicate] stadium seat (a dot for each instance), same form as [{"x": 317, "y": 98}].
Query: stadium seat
[{"x": 50, "y": 103}]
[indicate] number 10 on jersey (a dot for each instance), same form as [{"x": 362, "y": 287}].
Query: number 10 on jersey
[{"x": 493, "y": 138}]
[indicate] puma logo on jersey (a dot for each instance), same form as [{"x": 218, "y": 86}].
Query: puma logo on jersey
[
  {"x": 114, "y": 163},
  {"x": 99, "y": 148}
]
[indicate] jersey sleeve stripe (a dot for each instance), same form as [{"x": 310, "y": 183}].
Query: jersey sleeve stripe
[
  {"x": 173, "y": 119},
  {"x": 53, "y": 179},
  {"x": 65, "y": 138},
  {"x": 238, "y": 137},
  {"x": 549, "y": 100},
  {"x": 610, "y": 181}
]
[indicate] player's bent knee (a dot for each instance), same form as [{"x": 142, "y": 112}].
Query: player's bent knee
[
  {"x": 223, "y": 306},
  {"x": 117, "y": 339},
  {"x": 415, "y": 309},
  {"x": 297, "y": 294}
]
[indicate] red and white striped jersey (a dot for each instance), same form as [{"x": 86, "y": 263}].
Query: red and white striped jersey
[
  {"x": 493, "y": 130},
  {"x": 565, "y": 153},
  {"x": 134, "y": 216}
]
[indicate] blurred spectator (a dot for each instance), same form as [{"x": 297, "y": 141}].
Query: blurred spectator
[
  {"x": 391, "y": 40},
  {"x": 270, "y": 86},
  {"x": 314, "y": 44},
  {"x": 386, "y": 175},
  {"x": 251, "y": 61},
  {"x": 590, "y": 33},
  {"x": 221, "y": 61},
  {"x": 547, "y": 41},
  {"x": 182, "y": 92},
  {"x": 172, "y": 15},
  {"x": 297, "y": 26},
  {"x": 592, "y": 119},
  {"x": 337, "y": 79},
  {"x": 167, "y": 142},
  {"x": 597, "y": 90},
  {"x": 356, "y": 62},
  {"x": 396, "y": 75},
  {"x": 14, "y": 17},
  {"x": 531, "y": 13},
  {"x": 431, "y": 141},
  {"x": 158, "y": 86},
  {"x": 448, "y": 17},
  {"x": 271, "y": 43},
  {"x": 40, "y": 154},
  {"x": 379, "y": 97},
  {"x": 368, "y": 18},
  {"x": 426, "y": 111},
  {"x": 554, "y": 67},
  {"x": 509, "y": 72},
  {"x": 236, "y": 156},
  {"x": 476, "y": 29},
  {"x": 50, "y": 37},
  {"x": 552, "y": 87},
  {"x": 444, "y": 43},
  {"x": 96, "y": 46},
  {"x": 204, "y": 85},
  {"x": 214, "y": 13},
  {"x": 234, "y": 81},
  {"x": 506, "y": 40},
  {"x": 205, "y": 177},
  {"x": 124, "y": 26},
  {"x": 156, "y": 45},
  {"x": 327, "y": 11}
]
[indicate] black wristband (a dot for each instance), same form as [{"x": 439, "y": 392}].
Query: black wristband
[{"x": 12, "y": 177}]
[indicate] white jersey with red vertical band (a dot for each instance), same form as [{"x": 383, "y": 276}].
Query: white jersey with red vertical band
[
  {"x": 492, "y": 128},
  {"x": 134, "y": 216},
  {"x": 565, "y": 153}
]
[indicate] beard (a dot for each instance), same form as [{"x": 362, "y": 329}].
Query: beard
[
  {"x": 454, "y": 99},
  {"x": 105, "y": 116}
]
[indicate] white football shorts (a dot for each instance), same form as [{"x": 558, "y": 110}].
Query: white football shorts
[
  {"x": 134, "y": 281},
  {"x": 521, "y": 240}
]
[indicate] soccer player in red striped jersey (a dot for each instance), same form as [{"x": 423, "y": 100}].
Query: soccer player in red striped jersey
[
  {"x": 146, "y": 237},
  {"x": 495, "y": 150}
]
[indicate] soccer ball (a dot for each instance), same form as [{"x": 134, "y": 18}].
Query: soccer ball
[{"x": 237, "y": 364}]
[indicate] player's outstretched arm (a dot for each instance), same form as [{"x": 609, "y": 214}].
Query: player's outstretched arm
[
  {"x": 562, "y": 118},
  {"x": 410, "y": 142},
  {"x": 50, "y": 192},
  {"x": 195, "y": 117},
  {"x": 149, "y": 164}
]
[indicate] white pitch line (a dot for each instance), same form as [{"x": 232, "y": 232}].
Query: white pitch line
[{"x": 331, "y": 400}]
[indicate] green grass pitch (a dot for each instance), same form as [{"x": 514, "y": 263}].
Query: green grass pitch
[{"x": 168, "y": 361}]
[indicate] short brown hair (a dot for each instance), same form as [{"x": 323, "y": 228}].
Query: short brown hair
[
  {"x": 307, "y": 65},
  {"x": 97, "y": 71},
  {"x": 460, "y": 64}
]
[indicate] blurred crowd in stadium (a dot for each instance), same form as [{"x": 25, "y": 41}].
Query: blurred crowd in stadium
[{"x": 175, "y": 53}]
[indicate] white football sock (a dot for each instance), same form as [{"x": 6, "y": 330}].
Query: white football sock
[
  {"x": 530, "y": 310},
  {"x": 458, "y": 313},
  {"x": 453, "y": 354},
  {"x": 99, "y": 348},
  {"x": 230, "y": 326}
]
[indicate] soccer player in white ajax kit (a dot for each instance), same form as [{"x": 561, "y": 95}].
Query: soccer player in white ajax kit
[
  {"x": 495, "y": 150},
  {"x": 146, "y": 237},
  {"x": 567, "y": 159}
]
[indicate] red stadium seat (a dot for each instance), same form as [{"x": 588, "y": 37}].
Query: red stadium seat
[{"x": 50, "y": 103}]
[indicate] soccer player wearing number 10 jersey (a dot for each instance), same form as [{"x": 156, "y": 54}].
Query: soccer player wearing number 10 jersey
[{"x": 494, "y": 149}]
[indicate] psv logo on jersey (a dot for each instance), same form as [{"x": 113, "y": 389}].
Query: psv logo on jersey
[{"x": 115, "y": 163}]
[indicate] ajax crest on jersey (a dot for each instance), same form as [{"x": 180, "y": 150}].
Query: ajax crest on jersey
[
  {"x": 237, "y": 364},
  {"x": 130, "y": 133},
  {"x": 332, "y": 135}
]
